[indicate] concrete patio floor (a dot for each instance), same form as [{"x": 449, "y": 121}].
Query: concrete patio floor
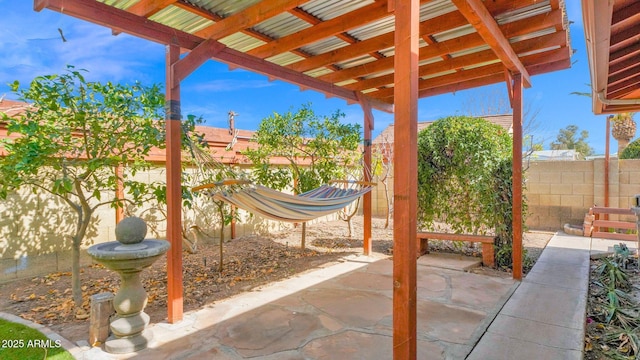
[
  {"x": 340, "y": 312},
  {"x": 344, "y": 311}
]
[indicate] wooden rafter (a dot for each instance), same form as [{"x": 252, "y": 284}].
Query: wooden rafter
[
  {"x": 248, "y": 17},
  {"x": 323, "y": 30},
  {"x": 344, "y": 36},
  {"x": 147, "y": 8},
  {"x": 546, "y": 41},
  {"x": 196, "y": 57},
  {"x": 484, "y": 23},
  {"x": 463, "y": 43}
]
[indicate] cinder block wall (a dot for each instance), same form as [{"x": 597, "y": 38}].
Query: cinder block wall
[{"x": 560, "y": 192}]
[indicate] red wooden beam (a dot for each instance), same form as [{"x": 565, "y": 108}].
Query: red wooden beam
[
  {"x": 337, "y": 25},
  {"x": 196, "y": 57},
  {"x": 407, "y": 35},
  {"x": 484, "y": 23},
  {"x": 174, "y": 190},
  {"x": 517, "y": 177},
  {"x": 147, "y": 8},
  {"x": 248, "y": 17}
]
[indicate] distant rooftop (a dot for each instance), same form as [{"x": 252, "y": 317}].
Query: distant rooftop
[{"x": 556, "y": 155}]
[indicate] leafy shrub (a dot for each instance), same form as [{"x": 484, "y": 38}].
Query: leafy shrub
[
  {"x": 465, "y": 179},
  {"x": 632, "y": 151}
]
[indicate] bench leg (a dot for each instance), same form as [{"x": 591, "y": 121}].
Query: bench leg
[
  {"x": 423, "y": 246},
  {"x": 488, "y": 255}
]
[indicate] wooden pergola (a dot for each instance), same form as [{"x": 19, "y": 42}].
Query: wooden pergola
[{"x": 383, "y": 55}]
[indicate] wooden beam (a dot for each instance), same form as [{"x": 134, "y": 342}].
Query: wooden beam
[
  {"x": 428, "y": 27},
  {"x": 622, "y": 88},
  {"x": 105, "y": 15},
  {"x": 622, "y": 65},
  {"x": 123, "y": 21},
  {"x": 624, "y": 75},
  {"x": 541, "y": 42},
  {"x": 248, "y": 17},
  {"x": 509, "y": 81},
  {"x": 405, "y": 185},
  {"x": 337, "y": 25},
  {"x": 196, "y": 57},
  {"x": 147, "y": 8},
  {"x": 532, "y": 62},
  {"x": 174, "y": 190},
  {"x": 470, "y": 84},
  {"x": 484, "y": 23},
  {"x": 516, "y": 28},
  {"x": 517, "y": 177},
  {"x": 345, "y": 53},
  {"x": 366, "y": 199}
]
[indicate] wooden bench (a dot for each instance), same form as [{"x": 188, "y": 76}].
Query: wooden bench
[
  {"x": 488, "y": 252},
  {"x": 628, "y": 228}
]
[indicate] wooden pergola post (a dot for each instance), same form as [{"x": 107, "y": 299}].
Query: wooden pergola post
[
  {"x": 174, "y": 191},
  {"x": 405, "y": 178},
  {"x": 517, "y": 176},
  {"x": 366, "y": 199}
]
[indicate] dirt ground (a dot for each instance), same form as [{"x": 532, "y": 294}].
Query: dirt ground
[{"x": 249, "y": 262}]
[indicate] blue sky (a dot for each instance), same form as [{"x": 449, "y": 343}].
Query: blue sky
[{"x": 31, "y": 45}]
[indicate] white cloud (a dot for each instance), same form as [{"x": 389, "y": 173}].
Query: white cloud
[{"x": 33, "y": 45}]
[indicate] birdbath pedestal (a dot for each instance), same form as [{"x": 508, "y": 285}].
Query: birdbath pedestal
[{"x": 128, "y": 256}]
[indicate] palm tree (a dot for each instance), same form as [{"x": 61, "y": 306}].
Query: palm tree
[{"x": 623, "y": 129}]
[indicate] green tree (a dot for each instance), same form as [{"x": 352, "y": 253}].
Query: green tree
[
  {"x": 566, "y": 139},
  {"x": 632, "y": 151},
  {"x": 465, "y": 179},
  {"x": 71, "y": 139},
  {"x": 316, "y": 150}
]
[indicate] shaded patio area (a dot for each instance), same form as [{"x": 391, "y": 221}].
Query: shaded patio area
[{"x": 342, "y": 311}]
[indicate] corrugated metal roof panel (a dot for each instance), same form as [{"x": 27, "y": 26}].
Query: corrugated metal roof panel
[
  {"x": 357, "y": 61},
  {"x": 281, "y": 25},
  {"x": 324, "y": 46},
  {"x": 318, "y": 72},
  {"x": 524, "y": 12},
  {"x": 470, "y": 51},
  {"x": 285, "y": 58},
  {"x": 373, "y": 29},
  {"x": 442, "y": 73},
  {"x": 241, "y": 42},
  {"x": 326, "y": 10},
  {"x": 180, "y": 19},
  {"x": 436, "y": 8},
  {"x": 120, "y": 4},
  {"x": 454, "y": 33},
  {"x": 223, "y": 8}
]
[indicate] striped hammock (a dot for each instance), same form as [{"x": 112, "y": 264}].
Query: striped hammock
[{"x": 285, "y": 207}]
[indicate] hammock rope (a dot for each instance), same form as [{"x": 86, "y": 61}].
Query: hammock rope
[{"x": 236, "y": 189}]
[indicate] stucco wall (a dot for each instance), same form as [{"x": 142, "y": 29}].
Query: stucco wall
[{"x": 35, "y": 228}]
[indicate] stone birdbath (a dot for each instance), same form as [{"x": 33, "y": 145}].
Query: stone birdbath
[{"x": 128, "y": 256}]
